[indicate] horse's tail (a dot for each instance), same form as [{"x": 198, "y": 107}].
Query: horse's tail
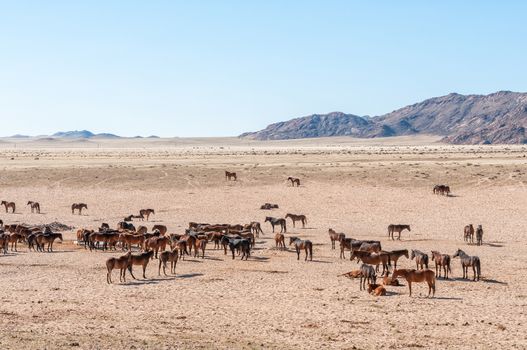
[
  {"x": 310, "y": 247},
  {"x": 478, "y": 267}
]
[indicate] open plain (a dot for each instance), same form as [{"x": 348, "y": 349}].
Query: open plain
[{"x": 61, "y": 299}]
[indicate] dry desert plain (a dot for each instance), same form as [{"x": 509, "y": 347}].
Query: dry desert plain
[{"x": 62, "y": 300}]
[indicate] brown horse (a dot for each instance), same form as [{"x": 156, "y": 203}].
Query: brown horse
[
  {"x": 229, "y": 176},
  {"x": 49, "y": 239},
  {"x": 351, "y": 274},
  {"x": 296, "y": 218},
  {"x": 146, "y": 213},
  {"x": 127, "y": 239},
  {"x": 334, "y": 237},
  {"x": 79, "y": 207},
  {"x": 200, "y": 244},
  {"x": 421, "y": 259},
  {"x": 256, "y": 228},
  {"x": 397, "y": 228},
  {"x": 441, "y": 261},
  {"x": 442, "y": 189},
  {"x": 35, "y": 206},
  {"x": 411, "y": 275},
  {"x": 348, "y": 244},
  {"x": 479, "y": 235},
  {"x": 8, "y": 205},
  {"x": 367, "y": 274},
  {"x": 277, "y": 221},
  {"x": 156, "y": 244},
  {"x": 279, "y": 240},
  {"x": 165, "y": 257},
  {"x": 140, "y": 260},
  {"x": 14, "y": 239},
  {"x": 373, "y": 259},
  {"x": 161, "y": 228},
  {"x": 294, "y": 181},
  {"x": 468, "y": 234},
  {"x": 120, "y": 263},
  {"x": 306, "y": 245},
  {"x": 396, "y": 255},
  {"x": 141, "y": 230}
]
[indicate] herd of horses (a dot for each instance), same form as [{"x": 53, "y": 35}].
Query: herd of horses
[
  {"x": 142, "y": 245},
  {"x": 371, "y": 255}
]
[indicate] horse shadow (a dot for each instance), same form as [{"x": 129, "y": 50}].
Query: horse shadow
[
  {"x": 320, "y": 261},
  {"x": 189, "y": 275},
  {"x": 213, "y": 258},
  {"x": 494, "y": 281},
  {"x": 448, "y": 298},
  {"x": 133, "y": 283}
]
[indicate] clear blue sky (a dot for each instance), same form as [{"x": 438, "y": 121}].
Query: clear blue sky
[{"x": 213, "y": 68}]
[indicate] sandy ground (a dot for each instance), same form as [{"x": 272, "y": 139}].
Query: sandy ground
[{"x": 61, "y": 299}]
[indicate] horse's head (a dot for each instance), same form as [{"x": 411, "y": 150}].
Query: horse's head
[
  {"x": 457, "y": 253},
  {"x": 59, "y": 236},
  {"x": 408, "y": 227},
  {"x": 292, "y": 240},
  {"x": 433, "y": 254},
  {"x": 395, "y": 274},
  {"x": 288, "y": 215},
  {"x": 342, "y": 236},
  {"x": 3, "y": 203},
  {"x": 29, "y": 203},
  {"x": 268, "y": 218},
  {"x": 412, "y": 254}
]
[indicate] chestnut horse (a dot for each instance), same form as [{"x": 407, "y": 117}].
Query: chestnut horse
[
  {"x": 79, "y": 207},
  {"x": 294, "y": 181},
  {"x": 161, "y": 228},
  {"x": 279, "y": 240},
  {"x": 229, "y": 176},
  {"x": 411, "y": 275},
  {"x": 8, "y": 205},
  {"x": 35, "y": 206},
  {"x": 296, "y": 218},
  {"x": 120, "y": 263},
  {"x": 441, "y": 261},
  {"x": 306, "y": 245},
  {"x": 396, "y": 254}
]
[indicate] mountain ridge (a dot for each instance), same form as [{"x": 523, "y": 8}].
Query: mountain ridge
[{"x": 500, "y": 117}]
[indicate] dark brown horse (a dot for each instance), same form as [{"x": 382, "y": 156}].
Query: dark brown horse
[
  {"x": 8, "y": 205},
  {"x": 411, "y": 275},
  {"x": 229, "y": 176},
  {"x": 396, "y": 254},
  {"x": 294, "y": 181},
  {"x": 305, "y": 245},
  {"x": 441, "y": 261},
  {"x": 161, "y": 228},
  {"x": 35, "y": 206},
  {"x": 146, "y": 213},
  {"x": 479, "y": 235},
  {"x": 48, "y": 239},
  {"x": 296, "y": 218},
  {"x": 397, "y": 228},
  {"x": 373, "y": 259},
  {"x": 79, "y": 207},
  {"x": 277, "y": 221},
  {"x": 140, "y": 260}
]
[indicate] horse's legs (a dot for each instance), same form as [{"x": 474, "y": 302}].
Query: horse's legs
[{"x": 410, "y": 287}]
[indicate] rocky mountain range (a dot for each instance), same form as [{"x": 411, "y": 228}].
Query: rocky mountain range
[{"x": 498, "y": 118}]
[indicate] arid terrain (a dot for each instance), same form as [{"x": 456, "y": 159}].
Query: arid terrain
[{"x": 62, "y": 300}]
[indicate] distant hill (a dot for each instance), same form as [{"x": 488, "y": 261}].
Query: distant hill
[
  {"x": 500, "y": 117},
  {"x": 80, "y": 134}
]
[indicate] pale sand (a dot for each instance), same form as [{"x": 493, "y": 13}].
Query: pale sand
[{"x": 272, "y": 300}]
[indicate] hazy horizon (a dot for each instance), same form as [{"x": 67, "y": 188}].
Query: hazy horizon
[{"x": 179, "y": 69}]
